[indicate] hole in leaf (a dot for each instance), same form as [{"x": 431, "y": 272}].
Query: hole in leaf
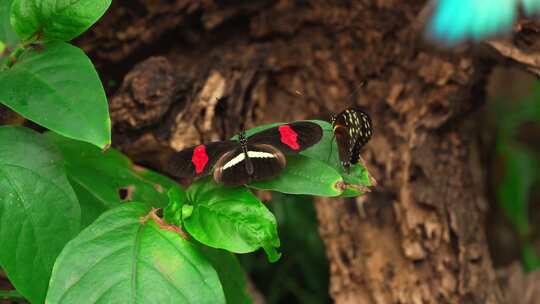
[{"x": 126, "y": 193}]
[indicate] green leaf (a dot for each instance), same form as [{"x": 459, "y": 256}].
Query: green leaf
[
  {"x": 39, "y": 212},
  {"x": 304, "y": 175},
  {"x": 530, "y": 258},
  {"x": 58, "y": 88},
  {"x": 513, "y": 193},
  {"x": 357, "y": 178},
  {"x": 55, "y": 19},
  {"x": 301, "y": 275},
  {"x": 297, "y": 217},
  {"x": 173, "y": 212},
  {"x": 157, "y": 179},
  {"x": 230, "y": 274},
  {"x": 91, "y": 207},
  {"x": 100, "y": 177},
  {"x": 118, "y": 259},
  {"x": 231, "y": 218},
  {"x": 7, "y": 34}
]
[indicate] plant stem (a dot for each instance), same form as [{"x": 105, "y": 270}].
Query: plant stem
[
  {"x": 21, "y": 47},
  {"x": 10, "y": 294},
  {"x": 14, "y": 55}
]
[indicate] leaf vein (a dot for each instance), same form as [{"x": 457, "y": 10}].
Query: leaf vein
[
  {"x": 135, "y": 253},
  {"x": 184, "y": 256},
  {"x": 176, "y": 288}
]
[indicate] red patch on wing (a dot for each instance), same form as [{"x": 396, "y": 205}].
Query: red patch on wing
[
  {"x": 199, "y": 158},
  {"x": 289, "y": 137}
]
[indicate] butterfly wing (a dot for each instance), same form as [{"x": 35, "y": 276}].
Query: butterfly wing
[
  {"x": 198, "y": 160},
  {"x": 343, "y": 138},
  {"x": 271, "y": 163},
  {"x": 290, "y": 138},
  {"x": 531, "y": 7},
  {"x": 355, "y": 153},
  {"x": 362, "y": 130},
  {"x": 455, "y": 21},
  {"x": 353, "y": 129},
  {"x": 263, "y": 162}
]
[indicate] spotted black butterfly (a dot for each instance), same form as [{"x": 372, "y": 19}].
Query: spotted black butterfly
[
  {"x": 258, "y": 157},
  {"x": 352, "y": 129}
]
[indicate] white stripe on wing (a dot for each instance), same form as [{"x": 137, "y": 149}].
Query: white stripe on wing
[{"x": 251, "y": 154}]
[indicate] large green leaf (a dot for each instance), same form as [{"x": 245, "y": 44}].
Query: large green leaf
[
  {"x": 230, "y": 274},
  {"x": 2, "y": 48},
  {"x": 7, "y": 34},
  {"x": 90, "y": 205},
  {"x": 119, "y": 259},
  {"x": 230, "y": 218},
  {"x": 39, "y": 212},
  {"x": 302, "y": 274},
  {"x": 297, "y": 218},
  {"x": 304, "y": 175},
  {"x": 55, "y": 19},
  {"x": 57, "y": 87},
  {"x": 156, "y": 179},
  {"x": 100, "y": 177}
]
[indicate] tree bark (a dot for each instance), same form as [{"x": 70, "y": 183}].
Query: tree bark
[{"x": 205, "y": 67}]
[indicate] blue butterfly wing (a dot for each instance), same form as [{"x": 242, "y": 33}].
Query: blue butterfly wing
[
  {"x": 455, "y": 21},
  {"x": 531, "y": 7}
]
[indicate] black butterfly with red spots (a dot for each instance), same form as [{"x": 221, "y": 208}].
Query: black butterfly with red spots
[{"x": 258, "y": 157}]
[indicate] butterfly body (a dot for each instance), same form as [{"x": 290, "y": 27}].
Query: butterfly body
[
  {"x": 353, "y": 129},
  {"x": 258, "y": 157}
]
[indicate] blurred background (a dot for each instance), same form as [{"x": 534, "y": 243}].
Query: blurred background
[{"x": 512, "y": 128}]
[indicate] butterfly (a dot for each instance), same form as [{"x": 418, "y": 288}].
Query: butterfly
[
  {"x": 254, "y": 158},
  {"x": 455, "y": 21},
  {"x": 352, "y": 130}
]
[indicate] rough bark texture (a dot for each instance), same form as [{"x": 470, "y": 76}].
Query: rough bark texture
[{"x": 219, "y": 64}]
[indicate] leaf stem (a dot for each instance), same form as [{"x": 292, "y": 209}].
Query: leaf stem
[
  {"x": 21, "y": 47},
  {"x": 10, "y": 294},
  {"x": 14, "y": 55}
]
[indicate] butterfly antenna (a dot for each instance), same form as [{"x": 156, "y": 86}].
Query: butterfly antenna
[
  {"x": 242, "y": 133},
  {"x": 355, "y": 90}
]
